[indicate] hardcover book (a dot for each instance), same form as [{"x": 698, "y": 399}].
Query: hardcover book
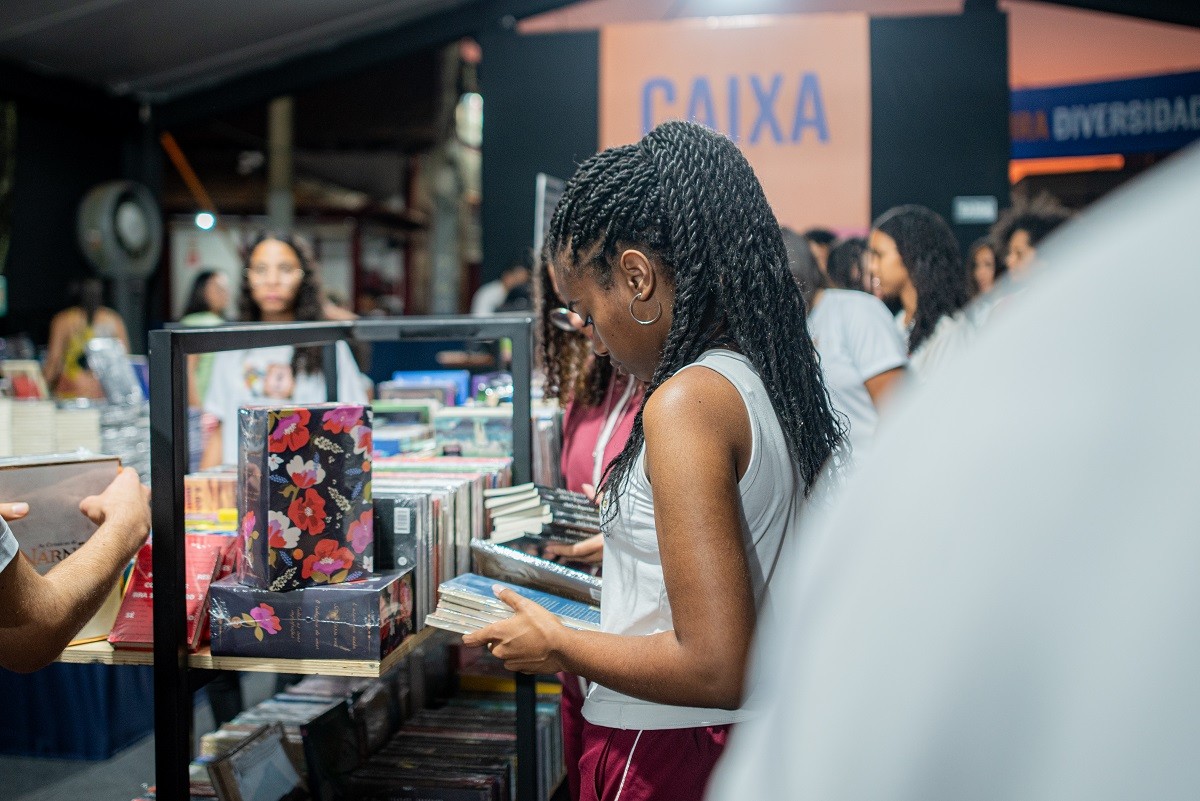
[
  {"x": 510, "y": 563},
  {"x": 54, "y": 528},
  {"x": 304, "y": 495},
  {"x": 364, "y": 619},
  {"x": 134, "y": 626}
]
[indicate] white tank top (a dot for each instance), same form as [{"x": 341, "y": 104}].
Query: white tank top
[{"x": 635, "y": 601}]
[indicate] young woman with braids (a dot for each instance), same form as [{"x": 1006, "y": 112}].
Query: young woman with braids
[
  {"x": 914, "y": 257},
  {"x": 673, "y": 261},
  {"x": 600, "y": 407},
  {"x": 279, "y": 285}
]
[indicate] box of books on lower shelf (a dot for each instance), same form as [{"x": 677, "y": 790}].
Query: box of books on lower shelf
[
  {"x": 468, "y": 603},
  {"x": 365, "y": 619}
]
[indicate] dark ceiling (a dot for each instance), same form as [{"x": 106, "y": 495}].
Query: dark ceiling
[{"x": 158, "y": 50}]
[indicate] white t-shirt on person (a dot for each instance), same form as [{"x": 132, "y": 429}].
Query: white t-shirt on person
[
  {"x": 264, "y": 375},
  {"x": 951, "y": 336},
  {"x": 857, "y": 340}
]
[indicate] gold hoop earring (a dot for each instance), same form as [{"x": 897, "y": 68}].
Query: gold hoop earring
[{"x": 634, "y": 300}]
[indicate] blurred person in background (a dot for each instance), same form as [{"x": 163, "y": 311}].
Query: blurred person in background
[
  {"x": 1020, "y": 623},
  {"x": 915, "y": 258},
  {"x": 983, "y": 266},
  {"x": 1026, "y": 236},
  {"x": 1020, "y": 231},
  {"x": 491, "y": 296},
  {"x": 65, "y": 369},
  {"x": 280, "y": 285},
  {"x": 820, "y": 241},
  {"x": 863, "y": 356},
  {"x": 205, "y": 307},
  {"x": 847, "y": 268}
]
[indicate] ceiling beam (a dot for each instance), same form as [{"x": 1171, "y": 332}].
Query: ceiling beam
[
  {"x": 347, "y": 58},
  {"x": 1176, "y": 12}
]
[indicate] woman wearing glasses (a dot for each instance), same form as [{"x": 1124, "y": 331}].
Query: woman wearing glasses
[{"x": 279, "y": 285}]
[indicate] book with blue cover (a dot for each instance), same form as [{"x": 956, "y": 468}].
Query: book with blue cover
[{"x": 472, "y": 594}]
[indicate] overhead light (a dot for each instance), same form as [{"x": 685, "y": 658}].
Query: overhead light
[{"x": 205, "y": 220}]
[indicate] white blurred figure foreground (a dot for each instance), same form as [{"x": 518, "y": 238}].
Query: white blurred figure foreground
[{"x": 1022, "y": 621}]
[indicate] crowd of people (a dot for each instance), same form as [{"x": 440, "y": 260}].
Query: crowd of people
[{"x": 723, "y": 379}]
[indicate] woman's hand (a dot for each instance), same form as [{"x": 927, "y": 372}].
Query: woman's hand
[
  {"x": 528, "y": 642},
  {"x": 589, "y": 551}
]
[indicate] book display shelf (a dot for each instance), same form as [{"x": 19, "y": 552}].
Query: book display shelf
[{"x": 175, "y": 678}]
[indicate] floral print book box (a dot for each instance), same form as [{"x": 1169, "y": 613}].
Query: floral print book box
[
  {"x": 304, "y": 496},
  {"x": 354, "y": 620}
]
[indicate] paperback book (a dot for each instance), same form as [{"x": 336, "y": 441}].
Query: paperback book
[{"x": 468, "y": 602}]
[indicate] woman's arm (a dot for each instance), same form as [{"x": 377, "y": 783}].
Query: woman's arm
[
  {"x": 698, "y": 442},
  {"x": 880, "y": 387},
  {"x": 213, "y": 454},
  {"x": 53, "y": 366}
]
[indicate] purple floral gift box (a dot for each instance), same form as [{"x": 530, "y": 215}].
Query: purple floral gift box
[
  {"x": 304, "y": 496},
  {"x": 353, "y": 620}
]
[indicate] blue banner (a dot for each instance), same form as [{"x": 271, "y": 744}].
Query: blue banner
[{"x": 1160, "y": 113}]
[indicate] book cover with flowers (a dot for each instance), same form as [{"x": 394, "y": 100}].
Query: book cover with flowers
[
  {"x": 304, "y": 496},
  {"x": 353, "y": 620}
]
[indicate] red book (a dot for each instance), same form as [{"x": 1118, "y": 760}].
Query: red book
[{"x": 134, "y": 628}]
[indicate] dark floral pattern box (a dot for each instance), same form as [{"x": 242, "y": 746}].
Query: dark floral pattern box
[
  {"x": 304, "y": 496},
  {"x": 354, "y": 620}
]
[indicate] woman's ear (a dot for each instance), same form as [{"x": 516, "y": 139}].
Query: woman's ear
[{"x": 638, "y": 272}]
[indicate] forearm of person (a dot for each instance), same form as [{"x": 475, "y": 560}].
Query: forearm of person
[
  {"x": 660, "y": 668},
  {"x": 212, "y": 449},
  {"x": 43, "y": 613}
]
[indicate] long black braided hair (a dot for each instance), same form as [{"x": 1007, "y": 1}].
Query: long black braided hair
[
  {"x": 688, "y": 196},
  {"x": 930, "y": 254}
]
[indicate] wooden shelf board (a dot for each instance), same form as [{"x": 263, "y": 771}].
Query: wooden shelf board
[{"x": 105, "y": 654}]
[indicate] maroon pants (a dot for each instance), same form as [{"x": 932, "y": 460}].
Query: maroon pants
[
  {"x": 649, "y": 765},
  {"x": 572, "y": 726}
]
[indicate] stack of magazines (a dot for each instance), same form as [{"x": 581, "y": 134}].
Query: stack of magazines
[
  {"x": 535, "y": 510},
  {"x": 468, "y": 603}
]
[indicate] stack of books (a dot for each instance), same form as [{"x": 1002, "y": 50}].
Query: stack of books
[
  {"x": 33, "y": 427},
  {"x": 536, "y": 510},
  {"x": 468, "y": 603},
  {"x": 77, "y": 426}
]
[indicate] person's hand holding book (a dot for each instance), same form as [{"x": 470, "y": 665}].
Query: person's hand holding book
[{"x": 528, "y": 641}]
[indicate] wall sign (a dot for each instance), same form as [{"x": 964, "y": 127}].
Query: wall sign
[
  {"x": 1159, "y": 113},
  {"x": 794, "y": 92}
]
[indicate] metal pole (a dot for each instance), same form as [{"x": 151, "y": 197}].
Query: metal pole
[{"x": 168, "y": 464}]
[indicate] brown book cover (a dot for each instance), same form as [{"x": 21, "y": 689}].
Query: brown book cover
[{"x": 53, "y": 486}]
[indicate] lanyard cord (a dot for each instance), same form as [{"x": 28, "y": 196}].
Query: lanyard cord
[{"x": 606, "y": 433}]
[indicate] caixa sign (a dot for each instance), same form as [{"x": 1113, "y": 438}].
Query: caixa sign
[
  {"x": 1160, "y": 113},
  {"x": 753, "y": 109}
]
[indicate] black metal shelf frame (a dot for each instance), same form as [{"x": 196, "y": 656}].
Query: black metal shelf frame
[{"x": 169, "y": 349}]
